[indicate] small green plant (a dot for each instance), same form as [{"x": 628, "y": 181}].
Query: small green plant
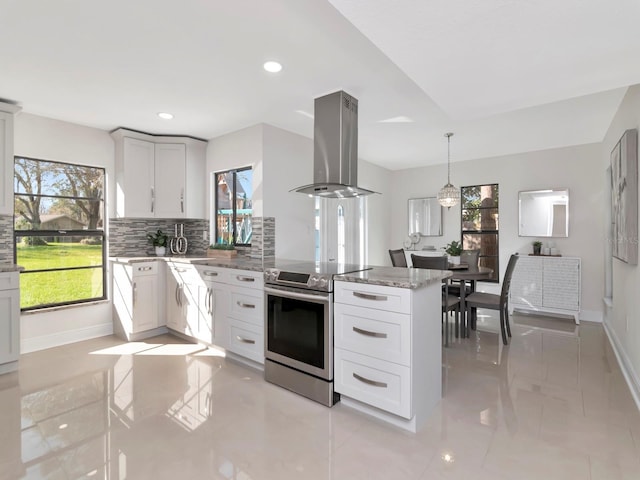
[
  {"x": 537, "y": 244},
  {"x": 222, "y": 246},
  {"x": 158, "y": 239},
  {"x": 453, "y": 248}
]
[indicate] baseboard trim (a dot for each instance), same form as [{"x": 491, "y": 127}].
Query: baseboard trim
[
  {"x": 630, "y": 375},
  {"x": 63, "y": 338}
]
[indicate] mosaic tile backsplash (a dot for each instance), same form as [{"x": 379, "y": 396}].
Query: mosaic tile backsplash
[
  {"x": 128, "y": 236},
  {"x": 6, "y": 238}
]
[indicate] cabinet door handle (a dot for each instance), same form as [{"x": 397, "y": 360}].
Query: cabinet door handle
[
  {"x": 242, "y": 278},
  {"x": 245, "y": 340},
  {"x": 245, "y": 305},
  {"x": 369, "y": 296},
  {"x": 369, "y": 382},
  {"x": 135, "y": 293},
  {"x": 210, "y": 274},
  {"x": 175, "y": 295},
  {"x": 206, "y": 301},
  {"x": 153, "y": 199},
  {"x": 144, "y": 269},
  {"x": 211, "y": 300},
  {"x": 182, "y": 200},
  {"x": 369, "y": 333}
]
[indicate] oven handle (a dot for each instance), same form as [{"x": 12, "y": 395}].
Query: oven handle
[{"x": 298, "y": 296}]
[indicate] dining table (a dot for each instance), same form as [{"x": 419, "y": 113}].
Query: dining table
[{"x": 463, "y": 273}]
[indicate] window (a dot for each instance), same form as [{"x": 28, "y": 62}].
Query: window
[
  {"x": 58, "y": 232},
  {"x": 480, "y": 224},
  {"x": 233, "y": 209}
]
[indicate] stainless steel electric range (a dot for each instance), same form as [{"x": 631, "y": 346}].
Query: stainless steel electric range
[{"x": 299, "y": 327}]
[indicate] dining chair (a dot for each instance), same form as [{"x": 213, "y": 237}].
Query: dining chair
[
  {"x": 398, "y": 258},
  {"x": 450, "y": 302},
  {"x": 471, "y": 258},
  {"x": 492, "y": 301}
]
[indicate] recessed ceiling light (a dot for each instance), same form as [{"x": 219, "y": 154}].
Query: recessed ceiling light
[
  {"x": 165, "y": 115},
  {"x": 271, "y": 66}
]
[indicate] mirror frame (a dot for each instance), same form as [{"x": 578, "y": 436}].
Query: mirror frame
[
  {"x": 524, "y": 225},
  {"x": 424, "y": 216}
]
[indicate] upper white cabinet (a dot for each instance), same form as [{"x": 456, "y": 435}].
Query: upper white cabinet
[
  {"x": 547, "y": 285},
  {"x": 159, "y": 177},
  {"x": 6, "y": 157}
]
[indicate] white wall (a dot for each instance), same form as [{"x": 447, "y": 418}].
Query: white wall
[
  {"x": 379, "y": 211},
  {"x": 623, "y": 320},
  {"x": 577, "y": 168},
  {"x": 48, "y": 139}
]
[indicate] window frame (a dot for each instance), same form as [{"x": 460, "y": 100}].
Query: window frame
[
  {"x": 70, "y": 233},
  {"x": 234, "y": 214},
  {"x": 495, "y": 232}
]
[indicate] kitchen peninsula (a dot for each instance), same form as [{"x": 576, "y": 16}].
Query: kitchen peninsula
[{"x": 386, "y": 323}]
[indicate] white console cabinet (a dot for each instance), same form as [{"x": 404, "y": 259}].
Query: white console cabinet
[
  {"x": 9, "y": 321},
  {"x": 547, "y": 285}
]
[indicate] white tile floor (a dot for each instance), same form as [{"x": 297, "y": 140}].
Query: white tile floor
[{"x": 551, "y": 405}]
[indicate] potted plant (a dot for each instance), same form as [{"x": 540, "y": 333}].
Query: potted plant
[
  {"x": 454, "y": 249},
  {"x": 224, "y": 250},
  {"x": 537, "y": 246},
  {"x": 159, "y": 241}
]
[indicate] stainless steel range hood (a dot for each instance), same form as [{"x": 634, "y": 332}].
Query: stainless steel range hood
[{"x": 335, "y": 148}]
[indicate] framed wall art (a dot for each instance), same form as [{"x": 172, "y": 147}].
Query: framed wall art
[{"x": 624, "y": 201}]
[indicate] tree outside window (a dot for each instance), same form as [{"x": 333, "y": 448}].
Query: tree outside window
[
  {"x": 480, "y": 226},
  {"x": 234, "y": 206}
]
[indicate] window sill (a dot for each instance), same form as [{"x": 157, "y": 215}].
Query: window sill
[{"x": 63, "y": 307}]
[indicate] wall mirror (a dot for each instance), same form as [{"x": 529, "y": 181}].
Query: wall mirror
[
  {"x": 425, "y": 216},
  {"x": 544, "y": 213}
]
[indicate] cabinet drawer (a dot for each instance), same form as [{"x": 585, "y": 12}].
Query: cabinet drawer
[
  {"x": 9, "y": 281},
  {"x": 144, "y": 268},
  {"x": 247, "y": 304},
  {"x": 246, "y": 340},
  {"x": 246, "y": 278},
  {"x": 376, "y": 333},
  {"x": 213, "y": 274},
  {"x": 373, "y": 296},
  {"x": 381, "y": 384}
]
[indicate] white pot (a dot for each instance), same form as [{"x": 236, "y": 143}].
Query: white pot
[
  {"x": 454, "y": 260},
  {"x": 160, "y": 251}
]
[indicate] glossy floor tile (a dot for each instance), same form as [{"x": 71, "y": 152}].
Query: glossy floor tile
[{"x": 552, "y": 405}]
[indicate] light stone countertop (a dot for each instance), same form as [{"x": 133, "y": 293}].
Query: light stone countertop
[
  {"x": 239, "y": 263},
  {"x": 399, "y": 277},
  {"x": 10, "y": 267}
]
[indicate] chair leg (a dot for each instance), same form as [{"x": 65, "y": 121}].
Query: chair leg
[
  {"x": 506, "y": 319},
  {"x": 502, "y": 327}
]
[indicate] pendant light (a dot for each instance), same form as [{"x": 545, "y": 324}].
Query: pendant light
[{"x": 448, "y": 196}]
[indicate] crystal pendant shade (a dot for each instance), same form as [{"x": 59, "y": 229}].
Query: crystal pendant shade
[{"x": 448, "y": 196}]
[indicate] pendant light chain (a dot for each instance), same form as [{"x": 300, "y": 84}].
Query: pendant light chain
[{"x": 449, "y": 195}]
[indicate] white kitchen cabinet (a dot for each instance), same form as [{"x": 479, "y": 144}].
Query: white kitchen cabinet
[
  {"x": 136, "y": 292},
  {"x": 9, "y": 321},
  {"x": 176, "y": 317},
  {"x": 159, "y": 177},
  {"x": 244, "y": 319},
  {"x": 387, "y": 350},
  {"x": 547, "y": 285},
  {"x": 213, "y": 305},
  {"x": 7, "y": 112}
]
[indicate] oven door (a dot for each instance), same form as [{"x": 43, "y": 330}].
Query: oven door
[{"x": 299, "y": 329}]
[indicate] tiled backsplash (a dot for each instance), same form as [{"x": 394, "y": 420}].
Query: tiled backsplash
[
  {"x": 128, "y": 236},
  {"x": 6, "y": 238}
]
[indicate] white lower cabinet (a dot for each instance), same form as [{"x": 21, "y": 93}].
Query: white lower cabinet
[
  {"x": 135, "y": 298},
  {"x": 387, "y": 350},
  {"x": 9, "y": 321},
  {"x": 244, "y": 317}
]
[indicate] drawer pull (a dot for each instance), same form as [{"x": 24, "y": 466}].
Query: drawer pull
[
  {"x": 368, "y": 296},
  {"x": 369, "y": 382},
  {"x": 242, "y": 278},
  {"x": 144, "y": 269},
  {"x": 369, "y": 334},
  {"x": 245, "y": 305},
  {"x": 210, "y": 274},
  {"x": 245, "y": 340}
]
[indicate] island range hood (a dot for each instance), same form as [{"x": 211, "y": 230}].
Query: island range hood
[{"x": 335, "y": 148}]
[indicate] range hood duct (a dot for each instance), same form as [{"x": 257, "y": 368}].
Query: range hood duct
[{"x": 335, "y": 148}]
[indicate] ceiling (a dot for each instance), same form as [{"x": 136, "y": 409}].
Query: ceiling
[{"x": 506, "y": 76}]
